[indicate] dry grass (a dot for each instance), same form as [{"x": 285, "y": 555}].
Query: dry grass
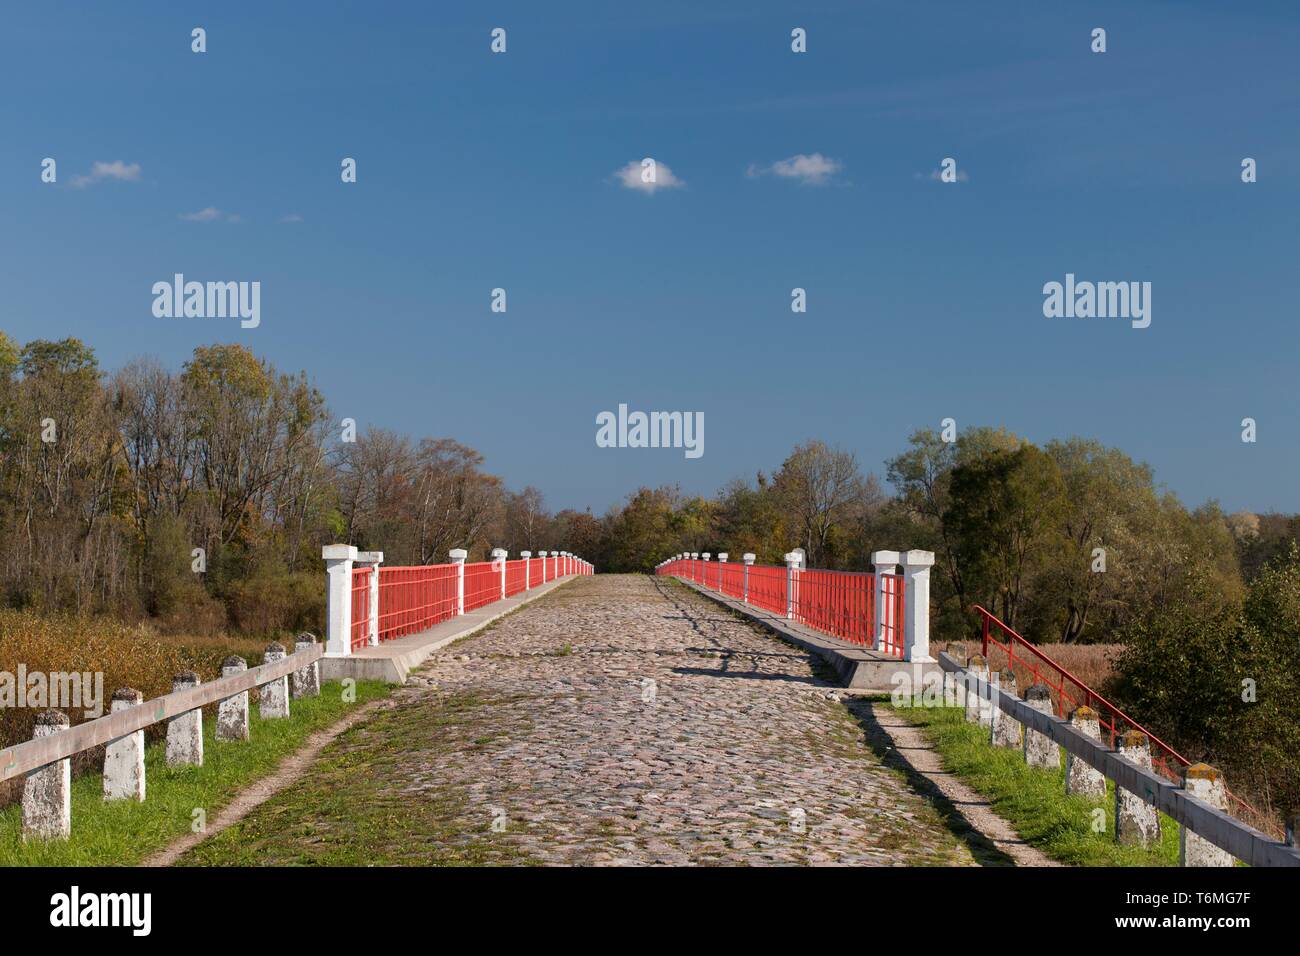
[
  {"x": 1091, "y": 663},
  {"x": 128, "y": 655}
]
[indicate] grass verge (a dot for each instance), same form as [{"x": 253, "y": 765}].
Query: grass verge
[
  {"x": 124, "y": 832},
  {"x": 1033, "y": 800},
  {"x": 379, "y": 796}
]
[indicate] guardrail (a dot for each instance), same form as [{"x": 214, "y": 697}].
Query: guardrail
[
  {"x": 46, "y": 758},
  {"x": 865, "y": 608},
  {"x": 368, "y": 603},
  {"x": 1210, "y": 836}
]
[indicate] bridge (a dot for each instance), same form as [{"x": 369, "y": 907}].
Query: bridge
[{"x": 716, "y": 712}]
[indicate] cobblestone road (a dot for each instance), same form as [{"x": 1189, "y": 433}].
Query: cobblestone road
[{"x": 626, "y": 720}]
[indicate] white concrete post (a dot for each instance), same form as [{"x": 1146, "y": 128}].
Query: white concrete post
[
  {"x": 792, "y": 562},
  {"x": 1137, "y": 822},
  {"x": 185, "y": 731},
  {"x": 232, "y": 713},
  {"x": 748, "y": 558},
  {"x": 1206, "y": 784},
  {"x": 458, "y": 556},
  {"x": 1081, "y": 778},
  {"x": 124, "y": 757},
  {"x": 306, "y": 680},
  {"x": 338, "y": 597},
  {"x": 722, "y": 569},
  {"x": 542, "y": 555},
  {"x": 916, "y": 605},
  {"x": 884, "y": 562},
  {"x": 499, "y": 556},
  {"x": 977, "y": 675},
  {"x": 372, "y": 560},
  {"x": 47, "y": 792},
  {"x": 528, "y": 566},
  {"x": 1006, "y": 730},
  {"x": 704, "y": 568},
  {"x": 1040, "y": 749},
  {"x": 273, "y": 700}
]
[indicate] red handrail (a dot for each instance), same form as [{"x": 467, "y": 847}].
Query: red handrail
[{"x": 1108, "y": 715}]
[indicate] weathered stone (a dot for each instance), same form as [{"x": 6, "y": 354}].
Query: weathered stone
[
  {"x": 306, "y": 681},
  {"x": 185, "y": 731},
  {"x": 1006, "y": 730},
  {"x": 977, "y": 674},
  {"x": 124, "y": 757},
  {"x": 232, "y": 713},
  {"x": 1081, "y": 778},
  {"x": 273, "y": 700},
  {"x": 47, "y": 792},
  {"x": 1137, "y": 822},
  {"x": 1040, "y": 749},
  {"x": 953, "y": 695},
  {"x": 1206, "y": 784}
]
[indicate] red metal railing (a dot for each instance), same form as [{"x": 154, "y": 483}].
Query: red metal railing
[
  {"x": 515, "y": 577},
  {"x": 360, "y": 635},
  {"x": 1069, "y": 692},
  {"x": 482, "y": 584},
  {"x": 841, "y": 603},
  {"x": 414, "y": 598}
]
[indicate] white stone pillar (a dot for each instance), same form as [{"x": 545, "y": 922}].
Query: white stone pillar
[
  {"x": 1081, "y": 778},
  {"x": 338, "y": 597},
  {"x": 916, "y": 605},
  {"x": 748, "y": 558},
  {"x": 792, "y": 562},
  {"x": 306, "y": 680},
  {"x": 232, "y": 713},
  {"x": 1040, "y": 749},
  {"x": 884, "y": 562},
  {"x": 704, "y": 568},
  {"x": 124, "y": 757},
  {"x": 722, "y": 568},
  {"x": 185, "y": 731},
  {"x": 1207, "y": 785},
  {"x": 1006, "y": 731},
  {"x": 458, "y": 556},
  {"x": 528, "y": 567},
  {"x": 499, "y": 556},
  {"x": 977, "y": 675},
  {"x": 1137, "y": 822},
  {"x": 47, "y": 791},
  {"x": 273, "y": 700},
  {"x": 542, "y": 555},
  {"x": 372, "y": 560}
]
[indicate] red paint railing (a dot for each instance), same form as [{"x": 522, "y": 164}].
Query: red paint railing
[
  {"x": 360, "y": 635},
  {"x": 412, "y": 599},
  {"x": 1069, "y": 692},
  {"x": 515, "y": 577},
  {"x": 482, "y": 584},
  {"x": 840, "y": 603}
]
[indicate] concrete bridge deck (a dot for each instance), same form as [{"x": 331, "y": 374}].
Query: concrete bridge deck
[{"x": 620, "y": 719}]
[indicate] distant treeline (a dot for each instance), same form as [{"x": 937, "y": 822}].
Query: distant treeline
[{"x": 110, "y": 482}]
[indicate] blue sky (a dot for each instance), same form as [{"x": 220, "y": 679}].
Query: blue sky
[{"x": 477, "y": 171}]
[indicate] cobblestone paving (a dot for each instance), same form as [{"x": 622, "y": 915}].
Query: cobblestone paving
[{"x": 632, "y": 722}]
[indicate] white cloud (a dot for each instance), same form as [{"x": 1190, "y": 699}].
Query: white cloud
[
  {"x": 210, "y": 214},
  {"x": 117, "y": 169},
  {"x": 632, "y": 176},
  {"x": 809, "y": 170}
]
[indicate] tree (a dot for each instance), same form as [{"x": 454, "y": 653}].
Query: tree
[{"x": 822, "y": 489}]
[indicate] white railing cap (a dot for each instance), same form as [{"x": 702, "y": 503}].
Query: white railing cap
[
  {"x": 748, "y": 557},
  {"x": 917, "y": 559},
  {"x": 458, "y": 554},
  {"x": 370, "y": 557},
  {"x": 722, "y": 556},
  {"x": 525, "y": 554},
  {"x": 885, "y": 558},
  {"x": 338, "y": 552}
]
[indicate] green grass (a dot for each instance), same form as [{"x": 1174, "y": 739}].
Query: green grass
[
  {"x": 124, "y": 832},
  {"x": 376, "y": 797},
  {"x": 1033, "y": 800}
]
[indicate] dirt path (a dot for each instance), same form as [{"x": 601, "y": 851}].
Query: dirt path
[{"x": 621, "y": 720}]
